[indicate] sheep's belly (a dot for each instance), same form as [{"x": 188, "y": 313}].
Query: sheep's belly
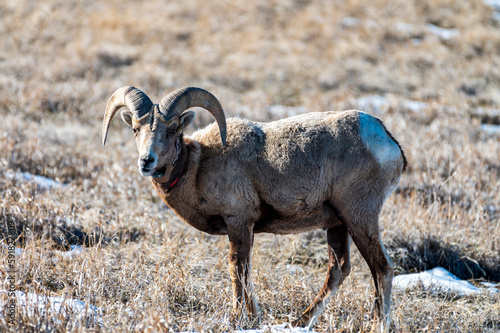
[
  {"x": 271, "y": 221},
  {"x": 295, "y": 226}
]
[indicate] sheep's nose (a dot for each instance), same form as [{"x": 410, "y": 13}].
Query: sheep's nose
[
  {"x": 147, "y": 160},
  {"x": 147, "y": 163}
]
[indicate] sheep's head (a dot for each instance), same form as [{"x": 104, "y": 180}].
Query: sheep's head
[{"x": 158, "y": 127}]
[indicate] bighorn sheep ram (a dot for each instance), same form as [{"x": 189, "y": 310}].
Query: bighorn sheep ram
[{"x": 330, "y": 170}]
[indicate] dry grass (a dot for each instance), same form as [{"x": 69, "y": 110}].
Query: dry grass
[{"x": 61, "y": 60}]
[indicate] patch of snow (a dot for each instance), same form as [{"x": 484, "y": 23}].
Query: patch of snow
[
  {"x": 372, "y": 102},
  {"x": 490, "y": 284},
  {"x": 404, "y": 27},
  {"x": 75, "y": 251},
  {"x": 43, "y": 183},
  {"x": 442, "y": 33},
  {"x": 5, "y": 249},
  {"x": 440, "y": 279},
  {"x": 414, "y": 106},
  {"x": 294, "y": 269},
  {"x": 281, "y": 111},
  {"x": 55, "y": 306},
  {"x": 416, "y": 41},
  {"x": 71, "y": 221},
  {"x": 349, "y": 22},
  {"x": 378, "y": 103},
  {"x": 490, "y": 209},
  {"x": 129, "y": 312},
  {"x": 496, "y": 16},
  {"x": 495, "y": 4},
  {"x": 490, "y": 129},
  {"x": 370, "y": 24},
  {"x": 282, "y": 328}
]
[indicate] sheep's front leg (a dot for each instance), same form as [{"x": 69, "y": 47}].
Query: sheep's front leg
[{"x": 240, "y": 248}]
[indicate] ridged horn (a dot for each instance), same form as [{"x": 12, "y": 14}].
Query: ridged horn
[
  {"x": 134, "y": 99},
  {"x": 180, "y": 100}
]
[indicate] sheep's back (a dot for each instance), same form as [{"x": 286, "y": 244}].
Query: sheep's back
[{"x": 290, "y": 162}]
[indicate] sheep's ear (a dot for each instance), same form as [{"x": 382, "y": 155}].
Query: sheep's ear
[
  {"x": 127, "y": 117},
  {"x": 186, "y": 118}
]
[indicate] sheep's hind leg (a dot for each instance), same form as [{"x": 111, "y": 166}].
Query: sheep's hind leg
[
  {"x": 240, "y": 247},
  {"x": 366, "y": 235},
  {"x": 339, "y": 266}
]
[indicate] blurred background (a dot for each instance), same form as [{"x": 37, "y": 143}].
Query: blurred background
[
  {"x": 67, "y": 57},
  {"x": 429, "y": 69}
]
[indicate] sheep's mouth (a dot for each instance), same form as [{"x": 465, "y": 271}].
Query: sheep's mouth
[{"x": 158, "y": 173}]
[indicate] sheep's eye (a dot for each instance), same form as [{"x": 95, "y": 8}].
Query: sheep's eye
[
  {"x": 135, "y": 130},
  {"x": 171, "y": 132}
]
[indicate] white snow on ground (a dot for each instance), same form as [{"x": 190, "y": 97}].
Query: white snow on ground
[
  {"x": 42, "y": 182},
  {"x": 378, "y": 103},
  {"x": 55, "y": 306},
  {"x": 439, "y": 279},
  {"x": 75, "y": 251},
  {"x": 490, "y": 129},
  {"x": 5, "y": 248},
  {"x": 372, "y": 102},
  {"x": 404, "y": 27},
  {"x": 283, "y": 328},
  {"x": 495, "y": 4},
  {"x": 281, "y": 111},
  {"x": 489, "y": 284},
  {"x": 442, "y": 33},
  {"x": 349, "y": 22},
  {"x": 414, "y": 106},
  {"x": 294, "y": 269}
]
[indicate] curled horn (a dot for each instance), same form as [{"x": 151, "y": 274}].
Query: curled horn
[
  {"x": 180, "y": 100},
  {"x": 134, "y": 99}
]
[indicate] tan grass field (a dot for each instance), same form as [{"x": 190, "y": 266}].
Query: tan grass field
[{"x": 60, "y": 61}]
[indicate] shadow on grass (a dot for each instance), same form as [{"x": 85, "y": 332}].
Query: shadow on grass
[
  {"x": 62, "y": 233},
  {"x": 411, "y": 257}
]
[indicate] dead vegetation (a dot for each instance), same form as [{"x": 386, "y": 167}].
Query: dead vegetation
[{"x": 60, "y": 60}]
